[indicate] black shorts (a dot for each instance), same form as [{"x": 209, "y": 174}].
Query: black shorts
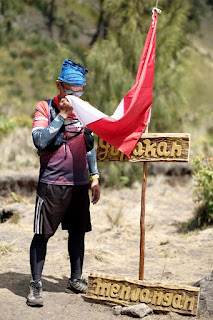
[{"x": 68, "y": 205}]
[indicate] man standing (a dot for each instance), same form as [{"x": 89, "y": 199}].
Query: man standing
[{"x": 66, "y": 152}]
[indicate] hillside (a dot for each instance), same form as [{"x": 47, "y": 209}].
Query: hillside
[
  {"x": 32, "y": 50},
  {"x": 30, "y": 47},
  {"x": 200, "y": 94}
]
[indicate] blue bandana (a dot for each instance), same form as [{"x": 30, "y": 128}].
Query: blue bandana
[{"x": 72, "y": 74}]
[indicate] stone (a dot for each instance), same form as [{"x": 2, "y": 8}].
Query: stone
[
  {"x": 206, "y": 295},
  {"x": 138, "y": 310},
  {"x": 116, "y": 310}
]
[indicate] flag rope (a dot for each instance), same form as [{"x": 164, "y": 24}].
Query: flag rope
[
  {"x": 153, "y": 12},
  {"x": 153, "y": 15}
]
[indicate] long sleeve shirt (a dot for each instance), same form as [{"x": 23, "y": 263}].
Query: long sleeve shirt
[{"x": 68, "y": 163}]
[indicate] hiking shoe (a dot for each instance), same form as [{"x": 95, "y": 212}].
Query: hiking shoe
[
  {"x": 76, "y": 286},
  {"x": 34, "y": 298}
]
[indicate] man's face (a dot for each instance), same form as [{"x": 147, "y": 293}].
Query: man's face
[{"x": 66, "y": 89}]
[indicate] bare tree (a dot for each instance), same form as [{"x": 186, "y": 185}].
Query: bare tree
[
  {"x": 51, "y": 14},
  {"x": 102, "y": 25},
  {"x": 2, "y": 7}
]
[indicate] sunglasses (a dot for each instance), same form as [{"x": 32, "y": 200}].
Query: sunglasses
[{"x": 70, "y": 92}]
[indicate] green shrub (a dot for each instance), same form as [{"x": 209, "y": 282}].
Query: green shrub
[
  {"x": 119, "y": 174},
  {"x": 6, "y": 125},
  {"x": 23, "y": 120},
  {"x": 203, "y": 178}
]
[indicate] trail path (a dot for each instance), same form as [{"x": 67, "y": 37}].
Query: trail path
[{"x": 111, "y": 248}]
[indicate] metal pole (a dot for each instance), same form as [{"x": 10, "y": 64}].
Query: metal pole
[
  {"x": 142, "y": 220},
  {"x": 156, "y": 5}
]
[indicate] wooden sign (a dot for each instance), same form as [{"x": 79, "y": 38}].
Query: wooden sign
[
  {"x": 150, "y": 147},
  {"x": 158, "y": 296}
]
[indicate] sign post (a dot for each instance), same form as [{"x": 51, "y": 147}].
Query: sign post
[
  {"x": 142, "y": 222},
  {"x": 151, "y": 147},
  {"x": 142, "y": 219}
]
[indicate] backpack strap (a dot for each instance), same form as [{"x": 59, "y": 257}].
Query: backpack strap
[
  {"x": 52, "y": 113},
  {"x": 49, "y": 107}
]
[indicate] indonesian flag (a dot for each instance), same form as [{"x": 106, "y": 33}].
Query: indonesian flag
[{"x": 124, "y": 128}]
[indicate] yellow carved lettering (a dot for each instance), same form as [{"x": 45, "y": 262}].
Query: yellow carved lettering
[
  {"x": 122, "y": 155},
  {"x": 105, "y": 146},
  {"x": 162, "y": 149},
  {"x": 135, "y": 294},
  {"x": 167, "y": 299},
  {"x": 114, "y": 151},
  {"x": 144, "y": 296},
  {"x": 176, "y": 147},
  {"x": 149, "y": 148},
  {"x": 125, "y": 293},
  {"x": 176, "y": 302},
  {"x": 114, "y": 290},
  {"x": 138, "y": 150},
  {"x": 182, "y": 301},
  {"x": 157, "y": 298},
  {"x": 188, "y": 300},
  {"x": 102, "y": 288}
]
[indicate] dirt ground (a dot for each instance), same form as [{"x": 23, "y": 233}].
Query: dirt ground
[{"x": 111, "y": 248}]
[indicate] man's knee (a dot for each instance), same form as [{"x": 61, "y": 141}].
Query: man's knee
[
  {"x": 76, "y": 234},
  {"x": 41, "y": 237}
]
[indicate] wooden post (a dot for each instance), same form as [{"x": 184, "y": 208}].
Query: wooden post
[{"x": 142, "y": 220}]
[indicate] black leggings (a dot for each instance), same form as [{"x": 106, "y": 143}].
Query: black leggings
[{"x": 38, "y": 251}]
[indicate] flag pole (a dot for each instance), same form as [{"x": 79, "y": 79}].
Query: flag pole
[
  {"x": 143, "y": 207},
  {"x": 142, "y": 220}
]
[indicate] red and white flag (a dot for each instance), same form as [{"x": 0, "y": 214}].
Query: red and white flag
[{"x": 124, "y": 128}]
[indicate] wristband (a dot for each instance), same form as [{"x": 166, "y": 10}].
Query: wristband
[{"x": 95, "y": 176}]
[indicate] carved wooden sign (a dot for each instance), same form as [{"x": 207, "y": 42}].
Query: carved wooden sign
[
  {"x": 150, "y": 147},
  {"x": 158, "y": 296}
]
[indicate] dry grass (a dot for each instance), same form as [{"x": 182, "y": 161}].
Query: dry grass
[
  {"x": 15, "y": 218},
  {"x": 115, "y": 218},
  {"x": 99, "y": 254},
  {"x": 163, "y": 243},
  {"x": 6, "y": 248},
  {"x": 18, "y": 198},
  {"x": 183, "y": 261},
  {"x": 17, "y": 150}
]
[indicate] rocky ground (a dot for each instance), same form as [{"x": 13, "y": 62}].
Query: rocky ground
[{"x": 171, "y": 256}]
